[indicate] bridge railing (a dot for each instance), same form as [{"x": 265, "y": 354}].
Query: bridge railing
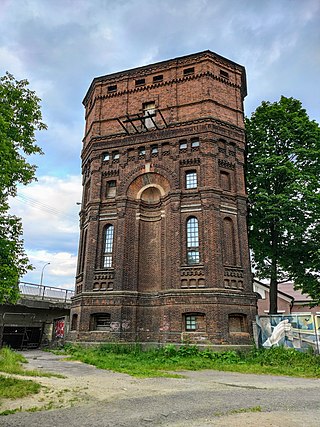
[{"x": 43, "y": 292}]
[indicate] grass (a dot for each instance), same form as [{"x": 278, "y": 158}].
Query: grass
[
  {"x": 12, "y": 388},
  {"x": 162, "y": 362},
  {"x": 11, "y": 363}
]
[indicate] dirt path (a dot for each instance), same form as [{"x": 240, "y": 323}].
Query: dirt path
[{"x": 92, "y": 397}]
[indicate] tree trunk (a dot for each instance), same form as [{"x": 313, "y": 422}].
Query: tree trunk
[{"x": 273, "y": 294}]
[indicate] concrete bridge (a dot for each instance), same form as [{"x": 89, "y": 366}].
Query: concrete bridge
[{"x": 40, "y": 318}]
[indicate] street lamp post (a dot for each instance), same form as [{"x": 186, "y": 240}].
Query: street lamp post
[{"x": 41, "y": 277}]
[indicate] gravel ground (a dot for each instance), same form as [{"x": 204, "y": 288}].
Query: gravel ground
[{"x": 92, "y": 397}]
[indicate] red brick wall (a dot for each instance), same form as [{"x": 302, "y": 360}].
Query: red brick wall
[{"x": 150, "y": 286}]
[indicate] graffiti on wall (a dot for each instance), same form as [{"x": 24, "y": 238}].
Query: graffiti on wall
[
  {"x": 299, "y": 331},
  {"x": 59, "y": 328}
]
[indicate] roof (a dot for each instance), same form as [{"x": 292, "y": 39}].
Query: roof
[
  {"x": 287, "y": 290},
  {"x": 168, "y": 61}
]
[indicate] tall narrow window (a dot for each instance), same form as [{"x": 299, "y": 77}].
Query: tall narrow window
[
  {"x": 111, "y": 189},
  {"x": 108, "y": 246},
  {"x": 149, "y": 113},
  {"x": 191, "y": 179},
  {"x": 193, "y": 256},
  {"x": 229, "y": 242}
]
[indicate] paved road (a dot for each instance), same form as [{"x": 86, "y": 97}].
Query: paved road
[{"x": 202, "y": 399}]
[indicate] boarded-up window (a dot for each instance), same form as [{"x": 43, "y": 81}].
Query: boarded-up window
[
  {"x": 225, "y": 181},
  {"x": 238, "y": 323},
  {"x": 100, "y": 322},
  {"x": 111, "y": 189},
  {"x": 229, "y": 242}
]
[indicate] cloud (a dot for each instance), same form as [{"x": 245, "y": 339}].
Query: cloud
[
  {"x": 50, "y": 225},
  {"x": 61, "y": 45},
  {"x": 60, "y": 273}
]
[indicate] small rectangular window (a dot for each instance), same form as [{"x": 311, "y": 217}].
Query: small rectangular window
[
  {"x": 140, "y": 82},
  {"x": 142, "y": 151},
  {"x": 188, "y": 71},
  {"x": 154, "y": 149},
  {"x": 224, "y": 74},
  {"x": 112, "y": 88},
  {"x": 158, "y": 78},
  {"x": 191, "y": 323},
  {"x": 183, "y": 145},
  {"x": 106, "y": 157},
  {"x": 115, "y": 155},
  {"x": 102, "y": 322},
  {"x": 191, "y": 179},
  {"x": 195, "y": 142}
]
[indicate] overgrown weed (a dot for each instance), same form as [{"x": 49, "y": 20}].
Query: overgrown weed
[{"x": 163, "y": 361}]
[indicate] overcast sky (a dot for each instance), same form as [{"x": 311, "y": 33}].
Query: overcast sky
[{"x": 61, "y": 45}]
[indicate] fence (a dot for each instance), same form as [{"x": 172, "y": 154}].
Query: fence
[
  {"x": 299, "y": 331},
  {"x": 32, "y": 290}
]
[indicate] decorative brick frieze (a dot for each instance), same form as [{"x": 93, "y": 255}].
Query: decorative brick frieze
[{"x": 225, "y": 164}]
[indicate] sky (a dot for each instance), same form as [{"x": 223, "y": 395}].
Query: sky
[{"x": 59, "y": 46}]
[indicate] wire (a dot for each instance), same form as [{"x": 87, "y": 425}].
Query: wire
[{"x": 42, "y": 206}]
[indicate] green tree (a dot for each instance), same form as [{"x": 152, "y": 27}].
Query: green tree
[
  {"x": 20, "y": 118},
  {"x": 283, "y": 171}
]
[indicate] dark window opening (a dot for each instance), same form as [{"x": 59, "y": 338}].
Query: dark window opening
[
  {"x": 74, "y": 322},
  {"x": 224, "y": 74},
  {"x": 158, "y": 78},
  {"x": 140, "y": 82},
  {"x": 188, "y": 71},
  {"x": 106, "y": 157},
  {"x": 101, "y": 322},
  {"x": 112, "y": 88}
]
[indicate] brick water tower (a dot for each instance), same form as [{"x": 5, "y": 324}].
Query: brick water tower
[{"x": 163, "y": 254}]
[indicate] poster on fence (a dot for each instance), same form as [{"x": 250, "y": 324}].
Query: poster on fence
[{"x": 299, "y": 331}]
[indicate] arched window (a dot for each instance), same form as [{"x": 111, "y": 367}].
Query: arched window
[
  {"x": 193, "y": 256},
  {"x": 108, "y": 246}
]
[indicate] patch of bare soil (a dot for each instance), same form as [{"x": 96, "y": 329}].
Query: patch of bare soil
[{"x": 82, "y": 384}]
